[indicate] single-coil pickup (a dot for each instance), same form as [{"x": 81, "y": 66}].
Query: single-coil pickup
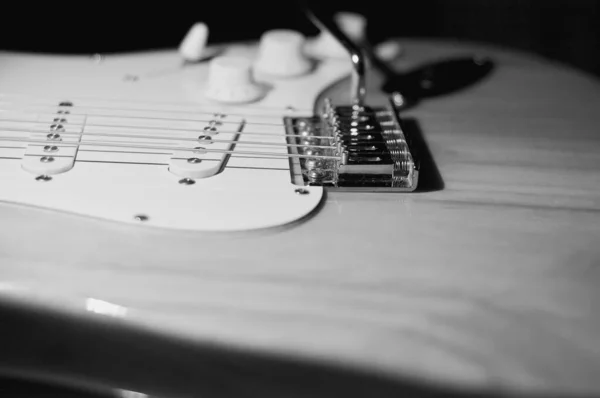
[
  {"x": 53, "y": 142},
  {"x": 209, "y": 152}
]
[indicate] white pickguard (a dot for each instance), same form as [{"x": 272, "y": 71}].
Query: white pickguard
[{"x": 150, "y": 94}]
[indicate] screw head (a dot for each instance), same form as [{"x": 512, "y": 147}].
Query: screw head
[
  {"x": 43, "y": 178},
  {"x": 302, "y": 191},
  {"x": 187, "y": 181},
  {"x": 140, "y": 217}
]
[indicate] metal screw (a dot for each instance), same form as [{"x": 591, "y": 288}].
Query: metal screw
[
  {"x": 194, "y": 160},
  {"x": 43, "y": 178},
  {"x": 46, "y": 159},
  {"x": 53, "y": 136},
  {"x": 302, "y": 191},
  {"x": 65, "y": 103},
  {"x": 63, "y": 112},
  {"x": 204, "y": 138},
  {"x": 59, "y": 120},
  {"x": 57, "y": 127},
  {"x": 140, "y": 217},
  {"x": 187, "y": 181}
]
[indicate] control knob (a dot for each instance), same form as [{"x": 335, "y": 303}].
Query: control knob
[
  {"x": 280, "y": 54},
  {"x": 230, "y": 80}
]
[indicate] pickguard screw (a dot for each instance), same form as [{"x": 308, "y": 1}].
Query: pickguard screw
[
  {"x": 187, "y": 181},
  {"x": 43, "y": 178},
  {"x": 302, "y": 191},
  {"x": 140, "y": 217}
]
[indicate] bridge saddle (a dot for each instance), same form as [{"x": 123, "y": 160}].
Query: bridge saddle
[{"x": 352, "y": 148}]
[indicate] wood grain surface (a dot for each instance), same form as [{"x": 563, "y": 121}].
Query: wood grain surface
[{"x": 484, "y": 283}]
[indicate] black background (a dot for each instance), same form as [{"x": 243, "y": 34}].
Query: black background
[{"x": 560, "y": 29}]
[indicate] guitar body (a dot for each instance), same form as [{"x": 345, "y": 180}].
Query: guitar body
[{"x": 486, "y": 279}]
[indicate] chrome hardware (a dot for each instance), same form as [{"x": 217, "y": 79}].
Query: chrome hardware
[
  {"x": 140, "y": 217},
  {"x": 370, "y": 150},
  {"x": 194, "y": 160},
  {"x": 187, "y": 181},
  {"x": 46, "y": 159},
  {"x": 43, "y": 178},
  {"x": 302, "y": 191},
  {"x": 53, "y": 137}
]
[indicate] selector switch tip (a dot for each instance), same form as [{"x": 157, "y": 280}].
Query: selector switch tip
[
  {"x": 193, "y": 44},
  {"x": 281, "y": 54},
  {"x": 230, "y": 81}
]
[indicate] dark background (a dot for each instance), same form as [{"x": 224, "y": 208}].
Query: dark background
[{"x": 559, "y": 29}]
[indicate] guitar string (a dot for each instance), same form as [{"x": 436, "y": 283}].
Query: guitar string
[
  {"x": 205, "y": 141},
  {"x": 55, "y": 102},
  {"x": 170, "y": 148},
  {"x": 150, "y": 128},
  {"x": 210, "y": 116},
  {"x": 192, "y": 109}
]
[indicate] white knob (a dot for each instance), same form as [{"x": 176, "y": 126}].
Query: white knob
[
  {"x": 230, "y": 80},
  {"x": 326, "y": 46},
  {"x": 281, "y": 54},
  {"x": 193, "y": 44}
]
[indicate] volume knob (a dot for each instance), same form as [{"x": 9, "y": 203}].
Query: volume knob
[
  {"x": 230, "y": 80},
  {"x": 281, "y": 54}
]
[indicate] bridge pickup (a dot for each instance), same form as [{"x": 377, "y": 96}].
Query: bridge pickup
[{"x": 352, "y": 149}]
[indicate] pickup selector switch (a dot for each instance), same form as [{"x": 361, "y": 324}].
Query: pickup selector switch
[
  {"x": 230, "y": 81},
  {"x": 281, "y": 54}
]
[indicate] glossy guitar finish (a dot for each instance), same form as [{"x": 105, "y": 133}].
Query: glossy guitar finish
[{"x": 486, "y": 280}]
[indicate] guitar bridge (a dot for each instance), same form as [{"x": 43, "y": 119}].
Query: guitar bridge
[{"x": 352, "y": 148}]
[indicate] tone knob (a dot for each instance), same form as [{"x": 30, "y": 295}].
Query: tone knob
[
  {"x": 326, "y": 46},
  {"x": 281, "y": 54},
  {"x": 230, "y": 80}
]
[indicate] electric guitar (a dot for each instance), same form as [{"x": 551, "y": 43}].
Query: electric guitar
[{"x": 302, "y": 244}]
